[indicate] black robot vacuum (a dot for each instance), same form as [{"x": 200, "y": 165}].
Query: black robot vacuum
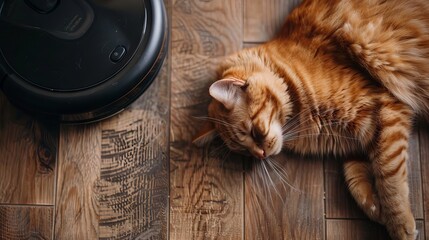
[{"x": 80, "y": 60}]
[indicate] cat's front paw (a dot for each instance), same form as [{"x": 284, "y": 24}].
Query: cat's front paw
[
  {"x": 400, "y": 234},
  {"x": 402, "y": 228}
]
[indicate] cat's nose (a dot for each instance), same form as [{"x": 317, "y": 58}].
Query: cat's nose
[{"x": 260, "y": 153}]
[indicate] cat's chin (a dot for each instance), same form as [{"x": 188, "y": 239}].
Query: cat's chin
[{"x": 274, "y": 151}]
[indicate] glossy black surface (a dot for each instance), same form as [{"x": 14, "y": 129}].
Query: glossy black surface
[{"x": 69, "y": 48}]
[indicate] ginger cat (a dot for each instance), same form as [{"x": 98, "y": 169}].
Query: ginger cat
[{"x": 343, "y": 77}]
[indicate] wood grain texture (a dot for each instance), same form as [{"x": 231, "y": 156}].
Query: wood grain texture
[
  {"x": 27, "y": 157},
  {"x": 133, "y": 185},
  {"x": 339, "y": 202},
  {"x": 19, "y": 223},
  {"x": 116, "y": 173},
  {"x": 424, "y": 160},
  {"x": 262, "y": 19},
  {"x": 361, "y": 229},
  {"x": 284, "y": 199},
  {"x": 206, "y": 195},
  {"x": 77, "y": 206},
  {"x": 415, "y": 176}
]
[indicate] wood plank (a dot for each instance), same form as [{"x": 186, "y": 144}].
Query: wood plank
[
  {"x": 133, "y": 185},
  {"x": 361, "y": 229},
  {"x": 284, "y": 199},
  {"x": 27, "y": 222},
  {"x": 424, "y": 160},
  {"x": 115, "y": 173},
  {"x": 206, "y": 196},
  {"x": 262, "y": 19},
  {"x": 27, "y": 157},
  {"x": 415, "y": 176},
  {"x": 77, "y": 208},
  {"x": 340, "y": 203}
]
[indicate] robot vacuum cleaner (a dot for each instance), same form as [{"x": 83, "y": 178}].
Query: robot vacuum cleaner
[{"x": 79, "y": 61}]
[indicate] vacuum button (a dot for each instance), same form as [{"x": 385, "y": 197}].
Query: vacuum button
[{"x": 117, "y": 54}]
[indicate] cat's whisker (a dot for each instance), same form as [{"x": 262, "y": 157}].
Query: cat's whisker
[
  {"x": 265, "y": 180},
  {"x": 280, "y": 185},
  {"x": 296, "y": 124},
  {"x": 274, "y": 186},
  {"x": 305, "y": 112},
  {"x": 320, "y": 134},
  {"x": 320, "y": 128},
  {"x": 281, "y": 173},
  {"x": 294, "y": 120},
  {"x": 320, "y": 131},
  {"x": 291, "y": 124},
  {"x": 256, "y": 197}
]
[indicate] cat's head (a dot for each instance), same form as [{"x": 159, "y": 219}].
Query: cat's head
[{"x": 249, "y": 107}]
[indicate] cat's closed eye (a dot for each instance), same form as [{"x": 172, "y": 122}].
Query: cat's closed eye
[{"x": 257, "y": 135}]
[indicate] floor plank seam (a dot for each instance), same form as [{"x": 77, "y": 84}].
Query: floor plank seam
[
  {"x": 25, "y": 205},
  {"x": 57, "y": 157}
]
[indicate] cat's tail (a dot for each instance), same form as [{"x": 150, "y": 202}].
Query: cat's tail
[{"x": 398, "y": 59}]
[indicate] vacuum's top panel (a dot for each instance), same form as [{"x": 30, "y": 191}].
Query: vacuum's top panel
[{"x": 70, "y": 45}]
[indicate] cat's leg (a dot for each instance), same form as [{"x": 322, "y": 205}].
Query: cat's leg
[
  {"x": 360, "y": 181},
  {"x": 390, "y": 171}
]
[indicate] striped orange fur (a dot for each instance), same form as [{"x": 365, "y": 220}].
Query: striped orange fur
[{"x": 343, "y": 77}]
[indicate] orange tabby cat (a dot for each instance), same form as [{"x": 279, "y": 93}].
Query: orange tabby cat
[{"x": 343, "y": 77}]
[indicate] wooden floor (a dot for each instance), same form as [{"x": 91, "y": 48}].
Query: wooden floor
[{"x": 137, "y": 176}]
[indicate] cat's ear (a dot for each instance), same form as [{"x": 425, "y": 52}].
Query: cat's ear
[
  {"x": 205, "y": 135},
  {"x": 227, "y": 91}
]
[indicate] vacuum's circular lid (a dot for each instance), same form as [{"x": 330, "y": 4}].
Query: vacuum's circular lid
[
  {"x": 79, "y": 59},
  {"x": 71, "y": 44}
]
